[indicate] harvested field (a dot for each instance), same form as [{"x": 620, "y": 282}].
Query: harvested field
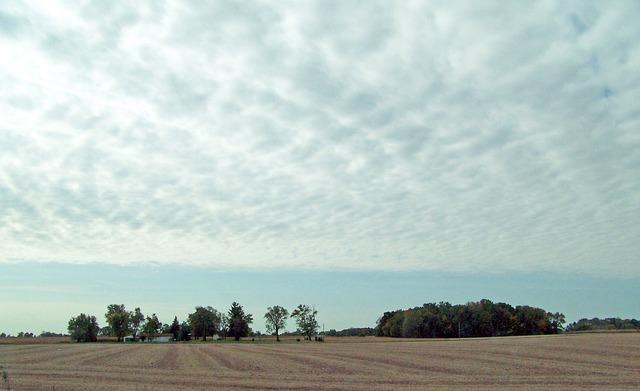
[{"x": 591, "y": 361}]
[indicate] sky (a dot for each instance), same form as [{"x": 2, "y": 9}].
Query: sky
[
  {"x": 347, "y": 139},
  {"x": 42, "y": 297}
]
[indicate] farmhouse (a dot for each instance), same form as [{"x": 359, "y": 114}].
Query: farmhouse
[{"x": 152, "y": 338}]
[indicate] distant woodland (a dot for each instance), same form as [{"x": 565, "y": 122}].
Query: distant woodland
[
  {"x": 474, "y": 319},
  {"x": 352, "y": 332},
  {"x": 596, "y": 324}
]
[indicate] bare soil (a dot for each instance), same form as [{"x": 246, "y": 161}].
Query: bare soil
[{"x": 579, "y": 361}]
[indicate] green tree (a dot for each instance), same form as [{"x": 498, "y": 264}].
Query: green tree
[
  {"x": 306, "y": 320},
  {"x": 136, "y": 318},
  {"x": 503, "y": 319},
  {"x": 83, "y": 328},
  {"x": 531, "y": 320},
  {"x": 412, "y": 325},
  {"x": 105, "y": 331},
  {"x": 557, "y": 320},
  {"x": 224, "y": 325},
  {"x": 276, "y": 319},
  {"x": 394, "y": 325},
  {"x": 152, "y": 326},
  {"x": 382, "y": 322},
  {"x": 205, "y": 321},
  {"x": 239, "y": 321},
  {"x": 185, "y": 331},
  {"x": 119, "y": 320},
  {"x": 47, "y": 334},
  {"x": 175, "y": 329}
]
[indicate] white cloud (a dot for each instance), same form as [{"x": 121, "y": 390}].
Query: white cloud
[{"x": 377, "y": 135}]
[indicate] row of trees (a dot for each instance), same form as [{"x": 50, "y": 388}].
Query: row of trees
[
  {"x": 604, "y": 324},
  {"x": 21, "y": 334},
  {"x": 474, "y": 319},
  {"x": 352, "y": 332},
  {"x": 207, "y": 321},
  {"x": 26, "y": 334},
  {"x": 202, "y": 323}
]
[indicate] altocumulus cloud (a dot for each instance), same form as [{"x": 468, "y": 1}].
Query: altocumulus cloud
[{"x": 381, "y": 135}]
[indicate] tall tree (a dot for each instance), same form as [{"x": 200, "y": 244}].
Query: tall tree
[
  {"x": 152, "y": 325},
  {"x": 276, "y": 319},
  {"x": 83, "y": 328},
  {"x": 224, "y": 325},
  {"x": 557, "y": 320},
  {"x": 185, "y": 331},
  {"x": 119, "y": 320},
  {"x": 306, "y": 320},
  {"x": 239, "y": 321},
  {"x": 205, "y": 321},
  {"x": 175, "y": 329},
  {"x": 136, "y": 318}
]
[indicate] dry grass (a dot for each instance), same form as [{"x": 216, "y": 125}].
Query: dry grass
[{"x": 592, "y": 361}]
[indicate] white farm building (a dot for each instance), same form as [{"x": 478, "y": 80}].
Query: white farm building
[{"x": 150, "y": 338}]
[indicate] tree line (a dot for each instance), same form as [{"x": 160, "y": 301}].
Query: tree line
[
  {"x": 26, "y": 334},
  {"x": 352, "y": 332},
  {"x": 474, "y": 319},
  {"x": 202, "y": 323},
  {"x": 604, "y": 324}
]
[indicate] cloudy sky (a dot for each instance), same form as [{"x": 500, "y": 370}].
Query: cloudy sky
[{"x": 380, "y": 136}]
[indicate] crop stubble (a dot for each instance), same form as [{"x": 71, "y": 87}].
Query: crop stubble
[{"x": 592, "y": 361}]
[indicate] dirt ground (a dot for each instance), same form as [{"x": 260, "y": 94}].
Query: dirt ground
[{"x": 590, "y": 361}]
